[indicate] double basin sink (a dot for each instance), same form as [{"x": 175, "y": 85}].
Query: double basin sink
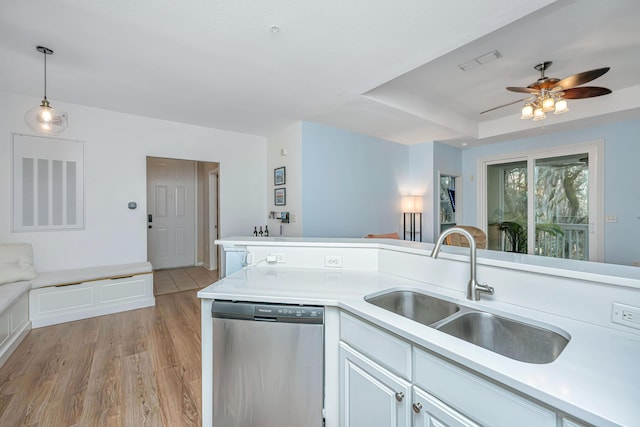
[{"x": 514, "y": 339}]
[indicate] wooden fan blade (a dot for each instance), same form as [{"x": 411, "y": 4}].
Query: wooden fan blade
[
  {"x": 585, "y": 92},
  {"x": 505, "y": 105},
  {"x": 581, "y": 78},
  {"x": 523, "y": 89}
]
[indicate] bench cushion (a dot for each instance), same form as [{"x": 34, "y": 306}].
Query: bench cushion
[{"x": 16, "y": 262}]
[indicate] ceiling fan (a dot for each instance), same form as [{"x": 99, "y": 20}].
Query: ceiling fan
[{"x": 551, "y": 94}]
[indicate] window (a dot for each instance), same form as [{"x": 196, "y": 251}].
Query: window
[
  {"x": 48, "y": 183},
  {"x": 546, "y": 203}
]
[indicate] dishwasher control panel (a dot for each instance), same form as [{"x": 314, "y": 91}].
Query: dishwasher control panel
[{"x": 267, "y": 312}]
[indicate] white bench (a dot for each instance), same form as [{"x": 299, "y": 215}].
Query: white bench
[{"x": 64, "y": 296}]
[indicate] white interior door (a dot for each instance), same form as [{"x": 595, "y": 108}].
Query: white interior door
[
  {"x": 171, "y": 215},
  {"x": 213, "y": 220}
]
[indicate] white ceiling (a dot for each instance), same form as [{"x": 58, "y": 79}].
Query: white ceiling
[{"x": 386, "y": 68}]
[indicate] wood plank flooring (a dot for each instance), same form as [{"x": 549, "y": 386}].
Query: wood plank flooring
[
  {"x": 137, "y": 368},
  {"x": 182, "y": 279}
]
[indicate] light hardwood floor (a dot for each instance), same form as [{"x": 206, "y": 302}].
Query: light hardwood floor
[
  {"x": 182, "y": 279},
  {"x": 137, "y": 368}
]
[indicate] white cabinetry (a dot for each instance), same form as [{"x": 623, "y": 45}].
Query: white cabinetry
[
  {"x": 370, "y": 394},
  {"x": 431, "y": 412},
  {"x": 385, "y": 381},
  {"x": 476, "y": 396}
]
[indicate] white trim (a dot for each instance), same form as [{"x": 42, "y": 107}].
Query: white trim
[
  {"x": 50, "y": 149},
  {"x": 595, "y": 150}
]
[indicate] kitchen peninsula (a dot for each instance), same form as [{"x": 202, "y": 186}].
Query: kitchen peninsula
[{"x": 426, "y": 373}]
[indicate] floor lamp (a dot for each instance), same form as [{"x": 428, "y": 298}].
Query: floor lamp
[{"x": 412, "y": 218}]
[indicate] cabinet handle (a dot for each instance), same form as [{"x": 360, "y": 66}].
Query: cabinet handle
[
  {"x": 399, "y": 396},
  {"x": 417, "y": 407}
]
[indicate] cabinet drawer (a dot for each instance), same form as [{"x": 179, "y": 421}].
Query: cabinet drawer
[
  {"x": 479, "y": 399},
  {"x": 387, "y": 350}
]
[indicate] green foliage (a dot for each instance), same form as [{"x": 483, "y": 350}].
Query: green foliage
[{"x": 516, "y": 236}]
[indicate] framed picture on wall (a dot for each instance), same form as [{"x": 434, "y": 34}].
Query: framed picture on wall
[
  {"x": 280, "y": 196},
  {"x": 279, "y": 176}
]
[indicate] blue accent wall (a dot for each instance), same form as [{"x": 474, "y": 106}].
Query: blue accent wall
[
  {"x": 351, "y": 183},
  {"x": 621, "y": 183}
]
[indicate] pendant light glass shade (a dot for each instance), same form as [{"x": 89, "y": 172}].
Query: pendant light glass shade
[
  {"x": 44, "y": 118},
  {"x": 527, "y": 112},
  {"x": 548, "y": 104},
  {"x": 561, "y": 107}
]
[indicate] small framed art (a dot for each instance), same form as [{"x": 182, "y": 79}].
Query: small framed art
[
  {"x": 279, "y": 176},
  {"x": 280, "y": 196}
]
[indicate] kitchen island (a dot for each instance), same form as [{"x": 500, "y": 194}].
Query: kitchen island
[{"x": 594, "y": 381}]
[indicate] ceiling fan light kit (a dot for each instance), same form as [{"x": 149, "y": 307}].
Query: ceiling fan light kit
[
  {"x": 550, "y": 94},
  {"x": 44, "y": 118}
]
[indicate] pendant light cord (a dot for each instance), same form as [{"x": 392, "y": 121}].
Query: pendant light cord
[{"x": 45, "y": 74}]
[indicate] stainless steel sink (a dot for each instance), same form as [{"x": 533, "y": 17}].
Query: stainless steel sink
[
  {"x": 510, "y": 338},
  {"x": 414, "y": 305}
]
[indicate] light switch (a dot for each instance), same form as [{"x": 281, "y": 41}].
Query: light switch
[{"x": 610, "y": 218}]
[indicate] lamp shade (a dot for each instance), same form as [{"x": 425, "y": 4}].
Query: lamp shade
[
  {"x": 527, "y": 112},
  {"x": 538, "y": 114},
  {"x": 561, "y": 107},
  {"x": 548, "y": 104},
  {"x": 412, "y": 203}
]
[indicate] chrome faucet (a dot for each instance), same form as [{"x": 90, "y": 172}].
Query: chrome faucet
[{"x": 473, "y": 287}]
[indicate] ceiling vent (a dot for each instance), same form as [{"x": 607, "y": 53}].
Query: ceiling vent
[{"x": 480, "y": 60}]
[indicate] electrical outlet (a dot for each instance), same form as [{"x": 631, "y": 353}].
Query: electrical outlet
[
  {"x": 333, "y": 261},
  {"x": 275, "y": 258},
  {"x": 626, "y": 315}
]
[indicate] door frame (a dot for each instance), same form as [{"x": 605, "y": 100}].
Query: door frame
[
  {"x": 595, "y": 150},
  {"x": 214, "y": 203}
]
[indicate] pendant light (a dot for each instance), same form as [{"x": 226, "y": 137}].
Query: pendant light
[{"x": 44, "y": 118}]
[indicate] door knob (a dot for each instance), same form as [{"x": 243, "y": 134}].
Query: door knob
[
  {"x": 417, "y": 407},
  {"x": 399, "y": 396}
]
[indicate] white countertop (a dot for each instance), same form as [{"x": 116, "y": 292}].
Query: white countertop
[{"x": 596, "y": 378}]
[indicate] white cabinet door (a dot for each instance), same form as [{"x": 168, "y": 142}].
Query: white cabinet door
[
  {"x": 431, "y": 412},
  {"x": 371, "y": 395}
]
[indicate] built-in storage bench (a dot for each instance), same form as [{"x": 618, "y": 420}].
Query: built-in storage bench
[
  {"x": 14, "y": 316},
  {"x": 63, "y": 296}
]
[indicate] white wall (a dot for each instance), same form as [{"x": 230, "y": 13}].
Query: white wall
[
  {"x": 422, "y": 184},
  {"x": 289, "y": 139},
  {"x": 116, "y": 147}
]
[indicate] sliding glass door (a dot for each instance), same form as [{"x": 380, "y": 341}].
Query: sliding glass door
[{"x": 544, "y": 203}]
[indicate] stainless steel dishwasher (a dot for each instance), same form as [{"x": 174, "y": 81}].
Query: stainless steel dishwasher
[{"x": 268, "y": 368}]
